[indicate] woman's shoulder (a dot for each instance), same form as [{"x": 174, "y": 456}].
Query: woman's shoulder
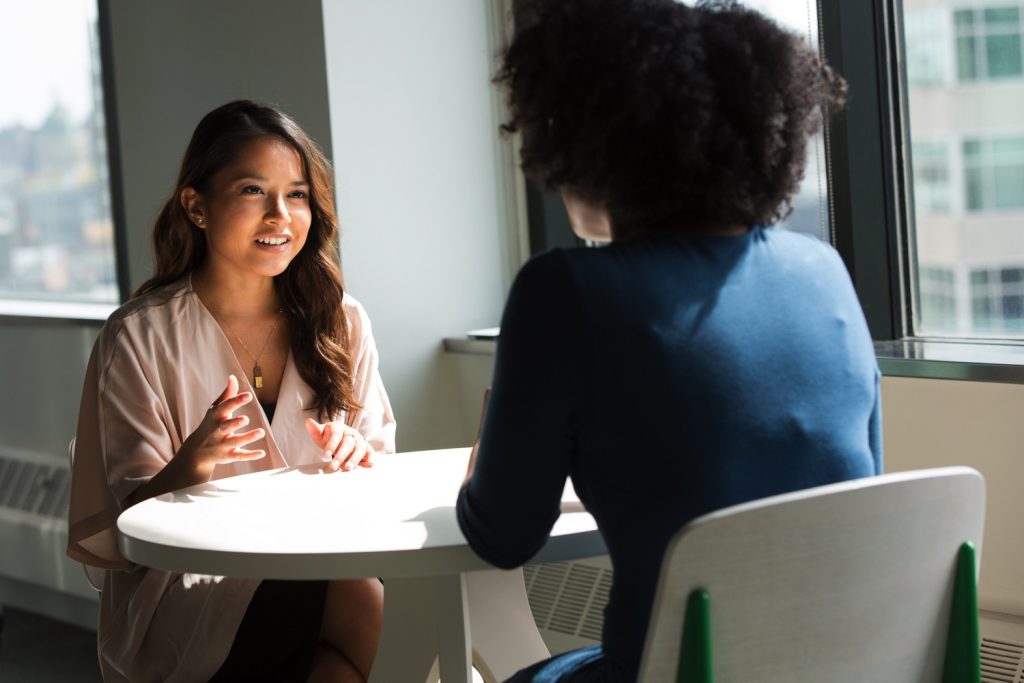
[
  {"x": 158, "y": 308},
  {"x": 799, "y": 243},
  {"x": 152, "y": 304},
  {"x": 357, "y": 317}
]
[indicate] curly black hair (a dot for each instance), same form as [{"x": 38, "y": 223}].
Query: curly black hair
[{"x": 668, "y": 116}]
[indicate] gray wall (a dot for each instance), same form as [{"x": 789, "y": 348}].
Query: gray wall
[{"x": 175, "y": 61}]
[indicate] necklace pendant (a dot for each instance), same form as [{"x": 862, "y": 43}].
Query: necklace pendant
[{"x": 257, "y": 377}]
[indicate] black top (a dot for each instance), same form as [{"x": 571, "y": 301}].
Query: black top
[{"x": 269, "y": 408}]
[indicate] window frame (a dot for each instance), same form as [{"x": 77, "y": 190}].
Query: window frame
[
  {"x": 874, "y": 218},
  {"x": 32, "y": 309}
]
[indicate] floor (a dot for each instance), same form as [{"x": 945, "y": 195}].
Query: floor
[{"x": 34, "y": 649}]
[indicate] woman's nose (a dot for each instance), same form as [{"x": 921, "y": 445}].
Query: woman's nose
[{"x": 277, "y": 212}]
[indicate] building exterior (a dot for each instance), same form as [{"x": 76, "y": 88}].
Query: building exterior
[{"x": 965, "y": 94}]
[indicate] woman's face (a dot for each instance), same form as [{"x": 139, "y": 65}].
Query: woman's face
[
  {"x": 256, "y": 212},
  {"x": 589, "y": 222}
]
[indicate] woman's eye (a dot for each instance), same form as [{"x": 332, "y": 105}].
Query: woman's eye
[
  {"x": 251, "y": 189},
  {"x": 298, "y": 194}
]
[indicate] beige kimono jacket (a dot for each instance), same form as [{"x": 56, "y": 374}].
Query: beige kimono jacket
[{"x": 159, "y": 362}]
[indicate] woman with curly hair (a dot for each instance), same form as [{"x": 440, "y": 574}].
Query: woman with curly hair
[
  {"x": 702, "y": 358},
  {"x": 242, "y": 353}
]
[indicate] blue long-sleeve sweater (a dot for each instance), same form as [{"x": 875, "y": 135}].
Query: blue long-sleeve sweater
[{"x": 668, "y": 375}]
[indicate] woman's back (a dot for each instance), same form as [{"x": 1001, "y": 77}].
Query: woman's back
[{"x": 681, "y": 374}]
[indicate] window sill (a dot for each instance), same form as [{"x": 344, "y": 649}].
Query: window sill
[
  {"x": 477, "y": 347},
  {"x": 57, "y": 311},
  {"x": 975, "y": 361}
]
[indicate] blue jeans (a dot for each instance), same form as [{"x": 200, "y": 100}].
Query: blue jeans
[{"x": 586, "y": 665}]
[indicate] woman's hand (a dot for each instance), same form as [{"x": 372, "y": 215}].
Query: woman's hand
[
  {"x": 343, "y": 446},
  {"x": 212, "y": 443},
  {"x": 216, "y": 440}
]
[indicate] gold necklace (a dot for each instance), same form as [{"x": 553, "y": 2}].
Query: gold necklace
[{"x": 257, "y": 371}]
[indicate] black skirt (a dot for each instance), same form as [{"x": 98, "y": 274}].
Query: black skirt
[{"x": 278, "y": 635}]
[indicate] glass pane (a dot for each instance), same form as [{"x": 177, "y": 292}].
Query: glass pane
[
  {"x": 1003, "y": 54},
  {"x": 978, "y": 239},
  {"x": 1011, "y": 275},
  {"x": 56, "y": 232},
  {"x": 999, "y": 18},
  {"x": 974, "y": 187},
  {"x": 927, "y": 38},
  {"x": 810, "y": 204},
  {"x": 966, "y": 61},
  {"x": 1009, "y": 187},
  {"x": 964, "y": 18}
]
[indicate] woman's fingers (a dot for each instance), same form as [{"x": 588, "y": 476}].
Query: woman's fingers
[
  {"x": 230, "y": 389},
  {"x": 231, "y": 424},
  {"x": 369, "y": 457},
  {"x": 333, "y": 434},
  {"x": 351, "y": 452},
  {"x": 244, "y": 454},
  {"x": 239, "y": 440},
  {"x": 316, "y": 431},
  {"x": 226, "y": 407}
]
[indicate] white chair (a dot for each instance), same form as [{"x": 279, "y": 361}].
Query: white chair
[
  {"x": 94, "y": 575},
  {"x": 850, "y": 582}
]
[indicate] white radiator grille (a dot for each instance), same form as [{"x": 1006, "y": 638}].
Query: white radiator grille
[
  {"x": 39, "y": 487},
  {"x": 568, "y": 597},
  {"x": 1002, "y": 661}
]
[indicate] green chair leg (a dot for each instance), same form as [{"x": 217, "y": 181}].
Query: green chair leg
[
  {"x": 695, "y": 649},
  {"x": 963, "y": 644}
]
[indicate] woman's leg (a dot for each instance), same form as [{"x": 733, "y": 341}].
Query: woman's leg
[
  {"x": 353, "y": 613},
  {"x": 329, "y": 666}
]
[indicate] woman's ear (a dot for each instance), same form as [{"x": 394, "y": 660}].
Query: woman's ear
[{"x": 192, "y": 202}]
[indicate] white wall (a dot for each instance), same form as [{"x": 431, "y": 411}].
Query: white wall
[
  {"x": 427, "y": 242},
  {"x": 934, "y": 423}
]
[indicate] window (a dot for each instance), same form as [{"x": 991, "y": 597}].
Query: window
[
  {"x": 56, "y": 230},
  {"x": 966, "y": 170},
  {"x": 931, "y": 177},
  {"x": 810, "y": 204},
  {"x": 938, "y": 298},
  {"x": 994, "y": 173},
  {"x": 988, "y": 43},
  {"x": 997, "y": 300},
  {"x": 928, "y": 32}
]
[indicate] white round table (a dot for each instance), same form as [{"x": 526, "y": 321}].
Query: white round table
[{"x": 395, "y": 521}]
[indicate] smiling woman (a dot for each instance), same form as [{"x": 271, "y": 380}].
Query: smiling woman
[{"x": 248, "y": 234}]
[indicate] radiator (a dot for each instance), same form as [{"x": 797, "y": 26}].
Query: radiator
[{"x": 36, "y": 573}]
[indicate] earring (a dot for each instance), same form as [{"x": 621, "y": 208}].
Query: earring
[{"x": 199, "y": 221}]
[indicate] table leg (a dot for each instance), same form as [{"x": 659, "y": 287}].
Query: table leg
[
  {"x": 408, "y": 643},
  {"x": 453, "y": 632},
  {"x": 504, "y": 633}
]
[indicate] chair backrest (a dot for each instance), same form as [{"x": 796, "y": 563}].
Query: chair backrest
[
  {"x": 840, "y": 583},
  {"x": 94, "y": 575}
]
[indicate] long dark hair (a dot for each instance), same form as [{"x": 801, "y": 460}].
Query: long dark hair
[{"x": 311, "y": 288}]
